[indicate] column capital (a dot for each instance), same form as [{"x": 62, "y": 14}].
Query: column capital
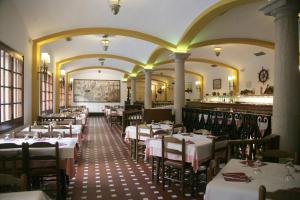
[
  {"x": 277, "y": 8},
  {"x": 147, "y": 71},
  {"x": 180, "y": 56}
]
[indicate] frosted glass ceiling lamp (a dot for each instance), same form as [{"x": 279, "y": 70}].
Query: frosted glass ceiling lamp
[
  {"x": 217, "y": 50},
  {"x": 102, "y": 60},
  {"x": 105, "y": 42},
  {"x": 115, "y": 6}
]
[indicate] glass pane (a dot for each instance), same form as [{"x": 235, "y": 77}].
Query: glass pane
[
  {"x": 7, "y": 113},
  {"x": 20, "y": 81},
  {"x": 6, "y": 61},
  {"x": 2, "y": 77},
  {"x": 15, "y": 96},
  {"x": 2, "y": 59},
  {"x": 19, "y": 94},
  {"x": 2, "y": 95},
  {"x": 8, "y": 77},
  {"x": 2, "y": 113},
  {"x": 7, "y": 95},
  {"x": 20, "y": 66}
]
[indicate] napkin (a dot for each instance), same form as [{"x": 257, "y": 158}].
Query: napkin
[{"x": 236, "y": 177}]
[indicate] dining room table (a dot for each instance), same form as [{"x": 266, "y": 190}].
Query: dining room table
[
  {"x": 26, "y": 195},
  {"x": 240, "y": 179},
  {"x": 67, "y": 150},
  {"x": 130, "y": 131},
  {"x": 76, "y": 130},
  {"x": 198, "y": 148}
]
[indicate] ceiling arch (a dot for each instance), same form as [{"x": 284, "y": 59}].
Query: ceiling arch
[
  {"x": 97, "y": 67},
  {"x": 206, "y": 17},
  {"x": 103, "y": 30}
]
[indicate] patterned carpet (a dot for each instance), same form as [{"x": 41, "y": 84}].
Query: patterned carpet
[{"x": 106, "y": 171}]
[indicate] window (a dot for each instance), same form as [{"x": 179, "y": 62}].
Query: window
[
  {"x": 46, "y": 95},
  {"x": 62, "y": 93},
  {"x": 11, "y": 88}
]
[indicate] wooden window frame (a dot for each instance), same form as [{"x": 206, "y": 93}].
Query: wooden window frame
[
  {"x": 14, "y": 61},
  {"x": 47, "y": 102}
]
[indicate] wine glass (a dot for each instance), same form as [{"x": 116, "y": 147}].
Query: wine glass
[
  {"x": 59, "y": 136},
  {"x": 257, "y": 164},
  {"x": 26, "y": 136},
  {"x": 290, "y": 168},
  {"x": 7, "y": 136},
  {"x": 35, "y": 136},
  {"x": 34, "y": 123}
]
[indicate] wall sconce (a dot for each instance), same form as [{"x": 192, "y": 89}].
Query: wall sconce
[
  {"x": 198, "y": 85},
  {"x": 105, "y": 42},
  {"x": 45, "y": 58},
  {"x": 71, "y": 83},
  {"x": 115, "y": 6},
  {"x": 231, "y": 83},
  {"x": 217, "y": 50}
]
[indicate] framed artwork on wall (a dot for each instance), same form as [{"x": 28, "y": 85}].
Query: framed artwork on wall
[
  {"x": 217, "y": 84},
  {"x": 102, "y": 91}
]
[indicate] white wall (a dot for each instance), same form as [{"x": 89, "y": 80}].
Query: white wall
[
  {"x": 14, "y": 33},
  {"x": 104, "y": 75}
]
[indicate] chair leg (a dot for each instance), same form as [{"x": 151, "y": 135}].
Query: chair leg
[
  {"x": 163, "y": 176},
  {"x": 182, "y": 181},
  {"x": 152, "y": 167},
  {"x": 158, "y": 169}
]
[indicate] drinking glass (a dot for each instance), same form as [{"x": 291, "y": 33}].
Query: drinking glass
[
  {"x": 35, "y": 136},
  {"x": 290, "y": 168},
  {"x": 257, "y": 165},
  {"x": 26, "y": 136},
  {"x": 59, "y": 136},
  {"x": 34, "y": 123},
  {"x": 7, "y": 136}
]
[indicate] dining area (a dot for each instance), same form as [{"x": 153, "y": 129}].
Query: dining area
[{"x": 41, "y": 157}]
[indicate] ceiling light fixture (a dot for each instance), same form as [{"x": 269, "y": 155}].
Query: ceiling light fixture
[
  {"x": 102, "y": 60},
  {"x": 217, "y": 50},
  {"x": 105, "y": 42},
  {"x": 115, "y": 6}
]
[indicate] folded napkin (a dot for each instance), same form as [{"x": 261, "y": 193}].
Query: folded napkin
[
  {"x": 236, "y": 177},
  {"x": 251, "y": 163}
]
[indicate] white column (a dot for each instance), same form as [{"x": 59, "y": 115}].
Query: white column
[
  {"x": 148, "y": 93},
  {"x": 133, "y": 90},
  {"x": 286, "y": 106},
  {"x": 179, "y": 91}
]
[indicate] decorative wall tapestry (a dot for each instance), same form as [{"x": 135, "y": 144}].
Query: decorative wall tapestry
[{"x": 86, "y": 90}]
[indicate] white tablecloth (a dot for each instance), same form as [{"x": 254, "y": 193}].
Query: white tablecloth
[
  {"x": 272, "y": 176},
  {"x": 130, "y": 131},
  {"x": 66, "y": 145},
  {"x": 199, "y": 150},
  {"x": 76, "y": 129},
  {"x": 28, "y": 195}
]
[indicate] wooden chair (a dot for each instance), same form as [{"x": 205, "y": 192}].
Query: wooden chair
[
  {"x": 212, "y": 169},
  {"x": 155, "y": 161},
  {"x": 42, "y": 163},
  {"x": 171, "y": 167},
  {"x": 140, "y": 145},
  {"x": 12, "y": 167},
  {"x": 291, "y": 194},
  {"x": 10, "y": 183},
  {"x": 276, "y": 155},
  {"x": 178, "y": 127}
]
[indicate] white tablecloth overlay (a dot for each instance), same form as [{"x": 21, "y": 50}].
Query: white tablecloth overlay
[
  {"x": 272, "y": 176},
  {"x": 66, "y": 145},
  {"x": 28, "y": 195},
  {"x": 195, "y": 153},
  {"x": 130, "y": 131},
  {"x": 76, "y": 129}
]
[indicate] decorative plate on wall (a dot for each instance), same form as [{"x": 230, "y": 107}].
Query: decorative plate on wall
[{"x": 263, "y": 75}]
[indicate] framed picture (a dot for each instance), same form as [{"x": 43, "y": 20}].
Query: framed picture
[
  {"x": 217, "y": 84},
  {"x": 86, "y": 90}
]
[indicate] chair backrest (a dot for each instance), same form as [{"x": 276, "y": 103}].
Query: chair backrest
[
  {"x": 63, "y": 127},
  {"x": 140, "y": 133},
  {"x": 289, "y": 194},
  {"x": 169, "y": 144},
  {"x": 275, "y": 155},
  {"x": 178, "y": 127},
  {"x": 12, "y": 159},
  {"x": 160, "y": 133},
  {"x": 247, "y": 148},
  {"x": 41, "y": 151},
  {"x": 212, "y": 169}
]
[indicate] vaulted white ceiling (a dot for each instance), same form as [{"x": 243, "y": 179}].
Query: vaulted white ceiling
[{"x": 167, "y": 20}]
